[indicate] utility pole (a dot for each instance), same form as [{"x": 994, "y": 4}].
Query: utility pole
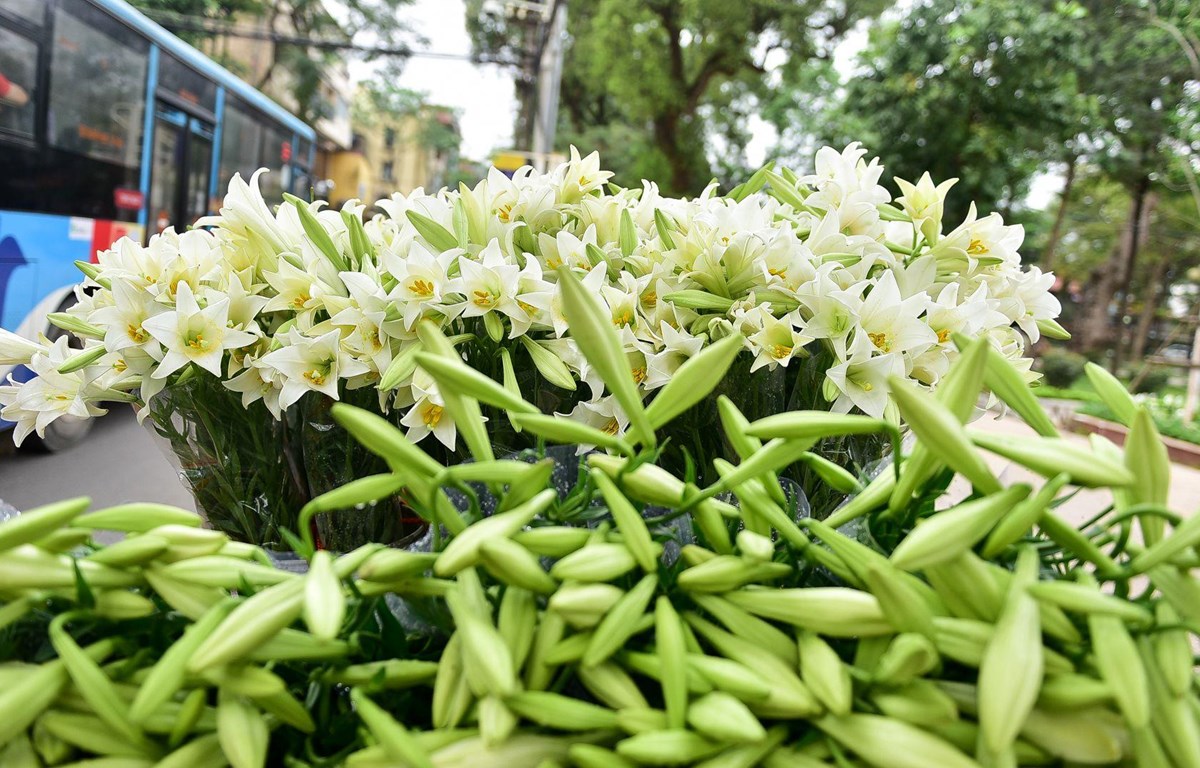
[{"x": 543, "y": 31}]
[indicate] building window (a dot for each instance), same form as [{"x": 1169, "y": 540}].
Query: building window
[
  {"x": 388, "y": 171},
  {"x": 389, "y": 137}
]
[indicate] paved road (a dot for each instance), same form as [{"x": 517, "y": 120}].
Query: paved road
[
  {"x": 1184, "y": 496},
  {"x": 117, "y": 462}
]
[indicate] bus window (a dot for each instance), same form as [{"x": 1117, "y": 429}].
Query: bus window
[
  {"x": 18, "y": 81},
  {"x": 97, "y": 87},
  {"x": 32, "y": 11},
  {"x": 240, "y": 139},
  {"x": 187, "y": 84},
  {"x": 276, "y": 156}
]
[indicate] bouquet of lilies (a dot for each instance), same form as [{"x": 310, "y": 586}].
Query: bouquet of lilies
[{"x": 823, "y": 273}]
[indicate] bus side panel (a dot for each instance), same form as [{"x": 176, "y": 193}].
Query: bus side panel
[{"x": 38, "y": 254}]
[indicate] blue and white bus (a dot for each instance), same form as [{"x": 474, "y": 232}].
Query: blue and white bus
[{"x": 110, "y": 126}]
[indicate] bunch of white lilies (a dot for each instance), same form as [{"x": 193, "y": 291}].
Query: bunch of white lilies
[{"x": 278, "y": 301}]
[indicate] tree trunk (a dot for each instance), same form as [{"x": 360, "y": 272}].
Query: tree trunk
[
  {"x": 666, "y": 138},
  {"x": 1047, "y": 262},
  {"x": 1094, "y": 325},
  {"x": 1151, "y": 298},
  {"x": 1145, "y": 202},
  {"x": 1095, "y": 330}
]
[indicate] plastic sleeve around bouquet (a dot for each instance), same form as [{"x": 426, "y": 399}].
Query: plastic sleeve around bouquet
[
  {"x": 762, "y": 393},
  {"x": 238, "y": 462},
  {"x": 331, "y": 458}
]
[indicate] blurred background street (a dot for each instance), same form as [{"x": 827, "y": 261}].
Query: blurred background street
[{"x": 118, "y": 462}]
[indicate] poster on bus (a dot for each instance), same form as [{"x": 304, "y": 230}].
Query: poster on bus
[{"x": 38, "y": 254}]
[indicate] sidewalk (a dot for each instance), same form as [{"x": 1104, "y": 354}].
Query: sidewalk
[{"x": 1184, "y": 497}]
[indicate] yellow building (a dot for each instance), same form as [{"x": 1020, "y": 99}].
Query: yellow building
[{"x": 394, "y": 152}]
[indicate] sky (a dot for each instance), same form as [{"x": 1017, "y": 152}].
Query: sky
[{"x": 483, "y": 94}]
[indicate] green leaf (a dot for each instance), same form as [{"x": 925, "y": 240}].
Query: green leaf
[
  {"x": 437, "y": 235},
  {"x": 593, "y": 331},
  {"x": 317, "y": 234},
  {"x": 628, "y": 236},
  {"x": 360, "y": 244},
  {"x": 664, "y": 229}
]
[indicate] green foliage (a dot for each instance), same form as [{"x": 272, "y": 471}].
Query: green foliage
[
  {"x": 1062, "y": 368},
  {"x": 1154, "y": 382},
  {"x": 626, "y": 613},
  {"x": 654, "y": 82},
  {"x": 1169, "y": 423},
  {"x": 976, "y": 91}
]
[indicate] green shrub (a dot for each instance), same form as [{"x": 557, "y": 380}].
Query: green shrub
[
  {"x": 1062, "y": 368},
  {"x": 1155, "y": 381}
]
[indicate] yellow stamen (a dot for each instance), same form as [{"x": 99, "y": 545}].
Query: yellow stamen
[
  {"x": 504, "y": 212},
  {"x": 639, "y": 375},
  {"x": 881, "y": 340},
  {"x": 137, "y": 333},
  {"x": 198, "y": 342},
  {"x": 976, "y": 247},
  {"x": 611, "y": 428},
  {"x": 624, "y": 318},
  {"x": 779, "y": 351},
  {"x": 943, "y": 335},
  {"x": 300, "y": 300},
  {"x": 484, "y": 299},
  {"x": 421, "y": 287},
  {"x": 650, "y": 299},
  {"x": 315, "y": 376},
  {"x": 432, "y": 415}
]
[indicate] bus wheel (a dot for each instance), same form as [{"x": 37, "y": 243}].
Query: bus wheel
[{"x": 61, "y": 434}]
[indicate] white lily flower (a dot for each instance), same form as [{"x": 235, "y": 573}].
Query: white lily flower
[
  {"x": 50, "y": 395},
  {"x": 296, "y": 290},
  {"x": 311, "y": 364},
  {"x": 862, "y": 383},
  {"x": 581, "y": 176},
  {"x": 244, "y": 209},
  {"x": 17, "y": 350},
  {"x": 604, "y": 413},
  {"x": 254, "y": 383},
  {"x": 678, "y": 347},
  {"x": 422, "y": 279},
  {"x": 893, "y": 324},
  {"x": 194, "y": 335},
  {"x": 428, "y": 414},
  {"x": 777, "y": 340},
  {"x": 123, "y": 320},
  {"x": 924, "y": 203}
]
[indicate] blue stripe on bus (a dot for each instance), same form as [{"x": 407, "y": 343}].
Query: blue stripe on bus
[
  {"x": 204, "y": 65},
  {"x": 215, "y": 171},
  {"x": 148, "y": 135}
]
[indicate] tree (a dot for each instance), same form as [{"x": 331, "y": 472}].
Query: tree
[
  {"x": 1140, "y": 80},
  {"x": 971, "y": 90},
  {"x": 664, "y": 77}
]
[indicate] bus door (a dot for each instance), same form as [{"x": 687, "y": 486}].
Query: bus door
[{"x": 182, "y": 162}]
